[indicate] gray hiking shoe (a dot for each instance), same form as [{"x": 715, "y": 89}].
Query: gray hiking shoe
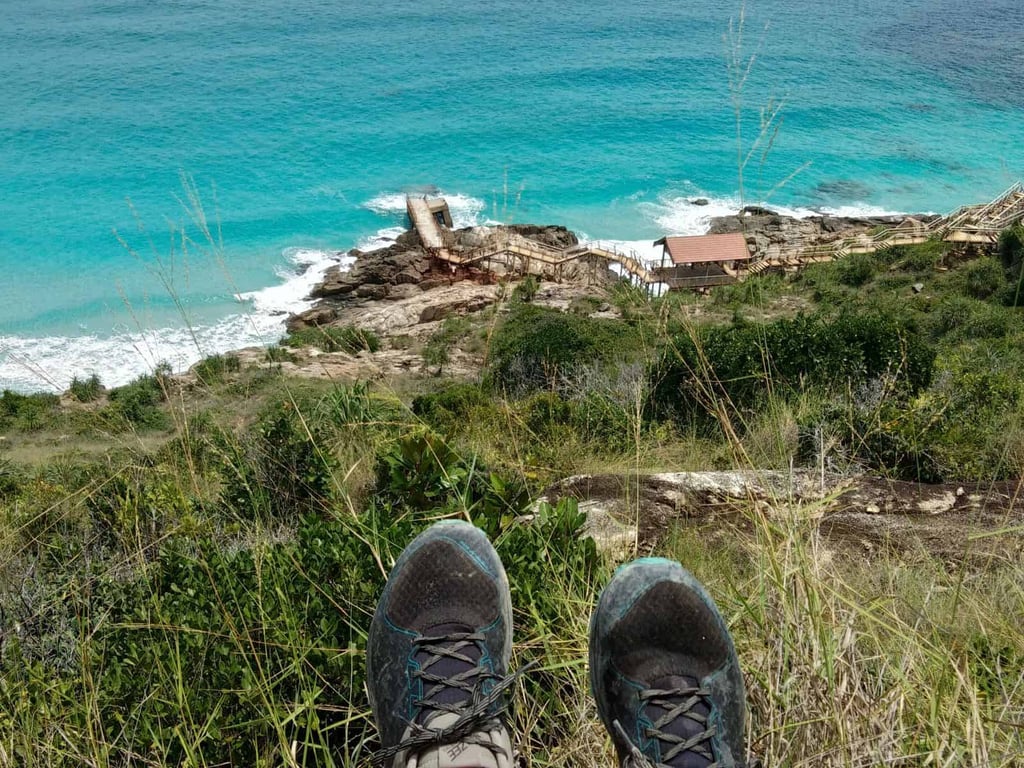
[
  {"x": 664, "y": 671},
  {"x": 438, "y": 652}
]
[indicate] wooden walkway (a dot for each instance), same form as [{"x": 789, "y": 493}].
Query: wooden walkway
[
  {"x": 969, "y": 224},
  {"x": 511, "y": 247},
  {"x": 426, "y": 225}
]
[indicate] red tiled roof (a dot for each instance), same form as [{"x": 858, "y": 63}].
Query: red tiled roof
[{"x": 704, "y": 248}]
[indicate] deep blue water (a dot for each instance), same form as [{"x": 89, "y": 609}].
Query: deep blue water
[{"x": 301, "y": 122}]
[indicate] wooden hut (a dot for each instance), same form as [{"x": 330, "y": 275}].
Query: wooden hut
[{"x": 701, "y": 261}]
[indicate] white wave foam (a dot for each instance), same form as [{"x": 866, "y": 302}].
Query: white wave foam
[
  {"x": 465, "y": 209},
  {"x": 30, "y": 364},
  {"x": 677, "y": 215},
  {"x": 308, "y": 268},
  {"x": 387, "y": 203}
]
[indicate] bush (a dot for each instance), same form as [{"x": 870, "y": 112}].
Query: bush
[
  {"x": 214, "y": 368},
  {"x": 86, "y": 390},
  {"x": 823, "y": 282},
  {"x": 27, "y": 412},
  {"x": 956, "y": 432},
  {"x": 983, "y": 278},
  {"x": 438, "y": 347},
  {"x": 139, "y": 403},
  {"x": 750, "y": 292},
  {"x": 962, "y": 318},
  {"x": 526, "y": 289},
  {"x": 1011, "y": 254},
  {"x": 279, "y": 354},
  {"x": 11, "y": 479},
  {"x": 923, "y": 257},
  {"x": 536, "y": 346},
  {"x": 421, "y": 472},
  {"x": 449, "y": 409},
  {"x": 856, "y": 269},
  {"x": 346, "y": 338},
  {"x": 1011, "y": 248},
  {"x": 284, "y": 470},
  {"x": 739, "y": 365}
]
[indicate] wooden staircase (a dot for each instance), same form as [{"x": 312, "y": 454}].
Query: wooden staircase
[{"x": 505, "y": 245}]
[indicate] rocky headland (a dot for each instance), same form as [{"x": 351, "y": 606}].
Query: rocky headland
[{"x": 400, "y": 291}]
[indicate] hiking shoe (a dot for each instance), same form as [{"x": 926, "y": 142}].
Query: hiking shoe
[
  {"x": 438, "y": 654},
  {"x": 664, "y": 671}
]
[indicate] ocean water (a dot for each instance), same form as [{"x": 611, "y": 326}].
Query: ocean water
[{"x": 174, "y": 176}]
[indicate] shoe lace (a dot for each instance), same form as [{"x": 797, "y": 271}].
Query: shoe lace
[
  {"x": 474, "y": 710},
  {"x": 677, "y": 702}
]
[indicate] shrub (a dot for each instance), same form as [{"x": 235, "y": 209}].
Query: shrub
[
  {"x": 11, "y": 479},
  {"x": 346, "y": 338},
  {"x": 421, "y": 472},
  {"x": 823, "y": 283},
  {"x": 962, "y": 318},
  {"x": 214, "y": 368},
  {"x": 584, "y": 305},
  {"x": 86, "y": 390},
  {"x": 526, "y": 289},
  {"x": 278, "y": 354},
  {"x": 752, "y": 291},
  {"x": 535, "y": 346},
  {"x": 983, "y": 278},
  {"x": 449, "y": 408},
  {"x": 353, "y": 407},
  {"x": 205, "y": 657},
  {"x": 139, "y": 403},
  {"x": 923, "y": 257},
  {"x": 1011, "y": 248},
  {"x": 1011, "y": 254},
  {"x": 27, "y": 412},
  {"x": 284, "y": 470},
  {"x": 437, "y": 350},
  {"x": 856, "y": 269},
  {"x": 741, "y": 364}
]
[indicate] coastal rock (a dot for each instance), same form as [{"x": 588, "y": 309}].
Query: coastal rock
[
  {"x": 770, "y": 235},
  {"x": 311, "y": 318},
  {"x": 381, "y": 267}
]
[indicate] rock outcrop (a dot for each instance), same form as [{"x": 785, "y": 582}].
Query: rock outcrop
[
  {"x": 770, "y": 233},
  {"x": 854, "y": 515},
  {"x": 401, "y": 272}
]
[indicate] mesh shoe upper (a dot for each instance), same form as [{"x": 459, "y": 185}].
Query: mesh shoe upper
[
  {"x": 664, "y": 671},
  {"x": 438, "y": 652}
]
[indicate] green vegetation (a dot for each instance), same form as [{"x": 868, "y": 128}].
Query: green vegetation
[
  {"x": 437, "y": 350},
  {"x": 187, "y": 573},
  {"x": 335, "y": 339},
  {"x": 86, "y": 390},
  {"x": 536, "y": 347},
  {"x": 215, "y": 368}
]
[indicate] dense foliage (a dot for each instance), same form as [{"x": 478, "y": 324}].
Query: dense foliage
[{"x": 536, "y": 347}]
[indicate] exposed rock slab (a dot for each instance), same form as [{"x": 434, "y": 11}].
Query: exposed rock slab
[
  {"x": 862, "y": 515},
  {"x": 771, "y": 233}
]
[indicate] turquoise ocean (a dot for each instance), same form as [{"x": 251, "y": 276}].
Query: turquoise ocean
[{"x": 293, "y": 128}]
